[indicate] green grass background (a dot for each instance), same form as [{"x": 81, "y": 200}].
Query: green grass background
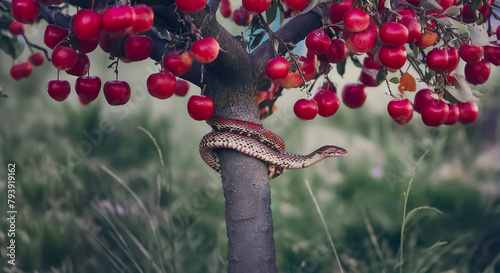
[{"x": 93, "y": 195}]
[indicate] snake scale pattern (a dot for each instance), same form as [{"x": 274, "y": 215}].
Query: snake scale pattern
[{"x": 256, "y": 141}]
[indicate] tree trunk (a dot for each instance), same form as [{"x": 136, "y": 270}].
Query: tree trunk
[
  {"x": 231, "y": 81},
  {"x": 248, "y": 214}
]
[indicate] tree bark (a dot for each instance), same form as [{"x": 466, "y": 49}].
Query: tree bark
[{"x": 232, "y": 82}]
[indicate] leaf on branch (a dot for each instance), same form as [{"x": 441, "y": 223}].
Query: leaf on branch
[
  {"x": 381, "y": 75},
  {"x": 12, "y": 46},
  {"x": 445, "y": 21},
  {"x": 257, "y": 39},
  {"x": 356, "y": 61},
  {"x": 452, "y": 11},
  {"x": 394, "y": 80},
  {"x": 276, "y": 45},
  {"x": 462, "y": 90},
  {"x": 430, "y": 5},
  {"x": 407, "y": 83},
  {"x": 309, "y": 7},
  {"x": 479, "y": 35},
  {"x": 265, "y": 84},
  {"x": 341, "y": 68},
  {"x": 271, "y": 12}
]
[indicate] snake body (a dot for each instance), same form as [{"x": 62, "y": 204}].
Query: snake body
[{"x": 256, "y": 141}]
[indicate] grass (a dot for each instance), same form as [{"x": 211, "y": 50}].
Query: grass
[{"x": 141, "y": 200}]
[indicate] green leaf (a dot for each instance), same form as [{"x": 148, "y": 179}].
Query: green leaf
[
  {"x": 478, "y": 35},
  {"x": 461, "y": 90},
  {"x": 257, "y": 39},
  {"x": 380, "y": 75},
  {"x": 341, "y": 68},
  {"x": 394, "y": 80},
  {"x": 12, "y": 46},
  {"x": 271, "y": 12},
  {"x": 265, "y": 84},
  {"x": 355, "y": 60}
]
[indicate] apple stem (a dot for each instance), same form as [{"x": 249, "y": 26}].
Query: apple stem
[
  {"x": 58, "y": 74},
  {"x": 203, "y": 89},
  {"x": 116, "y": 68}
]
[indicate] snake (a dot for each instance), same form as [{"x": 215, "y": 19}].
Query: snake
[{"x": 256, "y": 141}]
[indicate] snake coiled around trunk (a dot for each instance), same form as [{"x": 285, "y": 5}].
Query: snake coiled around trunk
[{"x": 256, "y": 141}]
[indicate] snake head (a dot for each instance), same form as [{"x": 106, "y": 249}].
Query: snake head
[{"x": 333, "y": 151}]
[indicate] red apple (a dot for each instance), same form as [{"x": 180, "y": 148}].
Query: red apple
[
  {"x": 296, "y": 4},
  {"x": 317, "y": 41},
  {"x": 394, "y": 34},
  {"x": 116, "y": 92},
  {"x": 434, "y": 113},
  {"x": 242, "y": 17},
  {"x": 225, "y": 8},
  {"x": 356, "y": 20},
  {"x": 492, "y": 54},
  {"x": 470, "y": 53},
  {"x": 414, "y": 28},
  {"x": 363, "y": 41},
  {"x": 88, "y": 87},
  {"x": 437, "y": 59},
  {"x": 64, "y": 58},
  {"x": 54, "y": 35},
  {"x": 453, "y": 114},
  {"x": 337, "y": 11},
  {"x": 191, "y": 6},
  {"x": 305, "y": 109},
  {"x": 205, "y": 50},
  {"x": 81, "y": 66},
  {"x": 87, "y": 24},
  {"x": 161, "y": 85},
  {"x": 477, "y": 73},
  {"x": 354, "y": 95},
  {"x": 25, "y": 11},
  {"x": 468, "y": 112},
  {"x": 421, "y": 98},
  {"x": 16, "y": 28},
  {"x": 453, "y": 59},
  {"x": 181, "y": 87},
  {"x": 328, "y": 102},
  {"x": 401, "y": 111},
  {"x": 22, "y": 70},
  {"x": 138, "y": 47},
  {"x": 277, "y": 68},
  {"x": 392, "y": 57},
  {"x": 118, "y": 18},
  {"x": 337, "y": 52},
  {"x": 178, "y": 62},
  {"x": 58, "y": 89},
  {"x": 257, "y": 6},
  {"x": 200, "y": 107},
  {"x": 36, "y": 59},
  {"x": 144, "y": 18}
]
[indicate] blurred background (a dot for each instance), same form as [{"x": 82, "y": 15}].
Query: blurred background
[{"x": 123, "y": 189}]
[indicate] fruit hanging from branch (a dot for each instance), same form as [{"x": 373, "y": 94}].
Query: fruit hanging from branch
[{"x": 401, "y": 42}]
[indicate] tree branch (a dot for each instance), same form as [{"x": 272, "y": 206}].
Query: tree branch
[{"x": 293, "y": 32}]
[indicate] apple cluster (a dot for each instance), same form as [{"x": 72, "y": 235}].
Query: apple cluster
[
  {"x": 388, "y": 35},
  {"x": 391, "y": 36}
]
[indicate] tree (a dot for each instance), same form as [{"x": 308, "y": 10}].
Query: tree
[{"x": 392, "y": 35}]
